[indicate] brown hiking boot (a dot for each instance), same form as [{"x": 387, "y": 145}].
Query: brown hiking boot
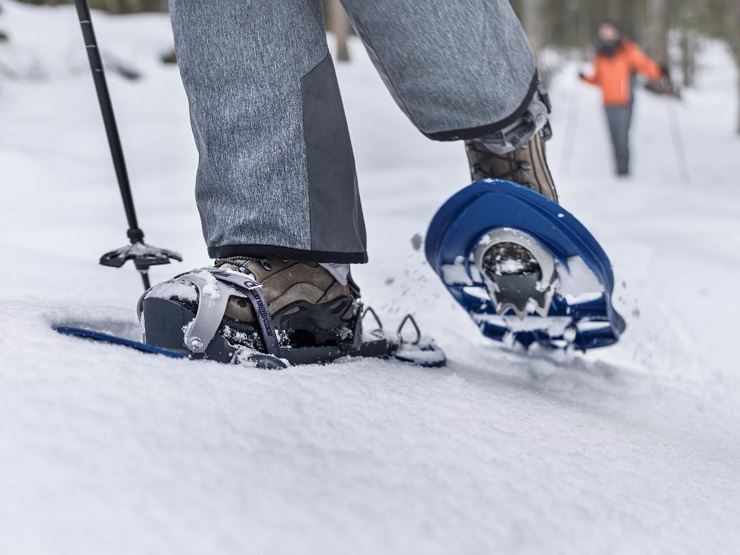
[
  {"x": 294, "y": 291},
  {"x": 526, "y": 165}
]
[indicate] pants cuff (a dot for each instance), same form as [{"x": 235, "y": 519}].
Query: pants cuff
[
  {"x": 287, "y": 253},
  {"x": 488, "y": 129}
]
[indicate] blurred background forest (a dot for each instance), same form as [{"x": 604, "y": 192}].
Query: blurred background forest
[{"x": 671, "y": 31}]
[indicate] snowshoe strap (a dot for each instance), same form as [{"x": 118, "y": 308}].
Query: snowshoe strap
[
  {"x": 215, "y": 288},
  {"x": 246, "y": 287}
]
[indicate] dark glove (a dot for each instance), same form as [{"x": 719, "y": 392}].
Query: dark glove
[
  {"x": 666, "y": 71},
  {"x": 581, "y": 76}
]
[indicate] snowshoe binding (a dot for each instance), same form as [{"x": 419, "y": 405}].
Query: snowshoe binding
[{"x": 272, "y": 313}]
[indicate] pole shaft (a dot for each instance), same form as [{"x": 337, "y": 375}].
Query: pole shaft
[
  {"x": 111, "y": 128},
  {"x": 145, "y": 280},
  {"x": 678, "y": 146}
]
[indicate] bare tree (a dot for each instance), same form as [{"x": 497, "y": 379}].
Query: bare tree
[
  {"x": 656, "y": 29},
  {"x": 533, "y": 21},
  {"x": 688, "y": 45},
  {"x": 614, "y": 9},
  {"x": 338, "y": 24},
  {"x": 734, "y": 40}
]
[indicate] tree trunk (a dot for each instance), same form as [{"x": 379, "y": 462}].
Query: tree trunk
[
  {"x": 688, "y": 57},
  {"x": 656, "y": 32},
  {"x": 338, "y": 24},
  {"x": 737, "y": 60},
  {"x": 532, "y": 19},
  {"x": 734, "y": 40},
  {"x": 614, "y": 9}
]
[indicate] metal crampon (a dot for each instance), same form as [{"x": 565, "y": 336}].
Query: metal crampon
[{"x": 517, "y": 270}]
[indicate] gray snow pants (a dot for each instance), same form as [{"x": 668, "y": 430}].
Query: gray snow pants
[
  {"x": 619, "y": 119},
  {"x": 276, "y": 172}
]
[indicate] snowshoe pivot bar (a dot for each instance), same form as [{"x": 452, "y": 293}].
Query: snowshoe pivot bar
[{"x": 528, "y": 284}]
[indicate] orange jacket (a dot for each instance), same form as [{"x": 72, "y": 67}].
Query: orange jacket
[{"x": 614, "y": 74}]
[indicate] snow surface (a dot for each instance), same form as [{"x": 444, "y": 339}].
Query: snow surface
[{"x": 103, "y": 450}]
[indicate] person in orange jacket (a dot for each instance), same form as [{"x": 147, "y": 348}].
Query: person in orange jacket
[{"x": 616, "y": 64}]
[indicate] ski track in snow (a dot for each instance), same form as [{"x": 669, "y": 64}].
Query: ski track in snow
[{"x": 104, "y": 450}]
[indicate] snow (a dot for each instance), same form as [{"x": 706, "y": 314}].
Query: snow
[
  {"x": 102, "y": 450},
  {"x": 577, "y": 283},
  {"x": 510, "y": 266},
  {"x": 210, "y": 289},
  {"x": 457, "y": 273},
  {"x": 556, "y": 325},
  {"x": 169, "y": 289}
]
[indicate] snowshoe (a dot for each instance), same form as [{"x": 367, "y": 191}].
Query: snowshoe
[
  {"x": 525, "y": 269},
  {"x": 269, "y": 313},
  {"x": 200, "y": 325}
]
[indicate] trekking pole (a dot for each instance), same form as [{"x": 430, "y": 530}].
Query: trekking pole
[
  {"x": 678, "y": 146},
  {"x": 143, "y": 255},
  {"x": 571, "y": 129}
]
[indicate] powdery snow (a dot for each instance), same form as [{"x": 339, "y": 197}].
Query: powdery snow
[
  {"x": 577, "y": 283},
  {"x": 457, "y": 273},
  {"x": 179, "y": 289},
  {"x": 103, "y": 450}
]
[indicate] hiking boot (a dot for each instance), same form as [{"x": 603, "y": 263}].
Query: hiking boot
[
  {"x": 308, "y": 306},
  {"x": 517, "y": 152},
  {"x": 526, "y": 165}
]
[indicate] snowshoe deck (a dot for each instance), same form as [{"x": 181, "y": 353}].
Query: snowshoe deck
[
  {"x": 117, "y": 340},
  {"x": 376, "y": 344},
  {"x": 574, "y": 307}
]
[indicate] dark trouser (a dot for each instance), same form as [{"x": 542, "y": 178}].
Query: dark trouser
[
  {"x": 619, "y": 119},
  {"x": 276, "y": 174}
]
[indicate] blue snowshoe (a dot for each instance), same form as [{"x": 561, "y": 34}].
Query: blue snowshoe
[{"x": 526, "y": 270}]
